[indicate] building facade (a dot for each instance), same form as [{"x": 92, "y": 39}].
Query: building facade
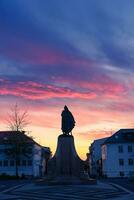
[
  {"x": 118, "y": 154},
  {"x": 95, "y": 158},
  {"x": 20, "y": 155}
]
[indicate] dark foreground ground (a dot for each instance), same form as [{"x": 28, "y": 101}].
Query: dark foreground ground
[
  {"x": 129, "y": 185},
  {"x": 8, "y": 184},
  {"x": 112, "y": 189}
]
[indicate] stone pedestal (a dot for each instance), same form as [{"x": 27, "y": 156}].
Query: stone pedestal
[{"x": 66, "y": 162}]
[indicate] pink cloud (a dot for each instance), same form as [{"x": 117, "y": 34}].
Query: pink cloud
[
  {"x": 122, "y": 106},
  {"x": 102, "y": 86},
  {"x": 95, "y": 134},
  {"x": 36, "y": 91}
]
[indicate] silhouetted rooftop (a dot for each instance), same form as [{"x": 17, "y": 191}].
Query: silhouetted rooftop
[
  {"x": 7, "y": 137},
  {"x": 121, "y": 136}
]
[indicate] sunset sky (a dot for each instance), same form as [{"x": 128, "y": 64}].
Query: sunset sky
[{"x": 78, "y": 53}]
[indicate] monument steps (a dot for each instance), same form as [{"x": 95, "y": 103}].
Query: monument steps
[{"x": 63, "y": 180}]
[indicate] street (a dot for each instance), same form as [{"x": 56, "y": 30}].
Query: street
[
  {"x": 122, "y": 182},
  {"x": 7, "y": 184},
  {"x": 27, "y": 189}
]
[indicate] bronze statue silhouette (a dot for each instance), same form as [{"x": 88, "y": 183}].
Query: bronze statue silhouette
[{"x": 68, "y": 121}]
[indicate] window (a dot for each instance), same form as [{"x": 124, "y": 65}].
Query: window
[
  {"x": 131, "y": 173},
  {"x": 130, "y": 149},
  {"x": 121, "y": 173},
  {"x": 23, "y": 162},
  {"x": 18, "y": 162},
  {"x": 0, "y": 163},
  {"x": 103, "y": 152},
  {"x": 121, "y": 162},
  {"x": 130, "y": 161},
  {"x": 30, "y": 150},
  {"x": 120, "y": 149},
  {"x": 12, "y": 163},
  {"x": 1, "y": 151},
  {"x": 5, "y": 163},
  {"x": 29, "y": 162}
]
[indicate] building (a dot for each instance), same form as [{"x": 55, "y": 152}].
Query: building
[
  {"x": 95, "y": 158},
  {"x": 20, "y": 155},
  {"x": 118, "y": 154}
]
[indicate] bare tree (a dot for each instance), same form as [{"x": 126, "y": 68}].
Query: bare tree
[{"x": 17, "y": 120}]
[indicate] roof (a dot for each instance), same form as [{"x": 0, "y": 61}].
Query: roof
[
  {"x": 97, "y": 144},
  {"x": 7, "y": 137},
  {"x": 121, "y": 136},
  {"x": 99, "y": 141}
]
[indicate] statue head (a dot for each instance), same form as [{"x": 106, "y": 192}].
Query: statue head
[{"x": 65, "y": 108}]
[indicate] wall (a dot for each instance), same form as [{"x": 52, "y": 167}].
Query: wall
[{"x": 110, "y": 160}]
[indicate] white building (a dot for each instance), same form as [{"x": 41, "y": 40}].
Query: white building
[
  {"x": 118, "y": 154},
  {"x": 95, "y": 157},
  {"x": 20, "y": 155}
]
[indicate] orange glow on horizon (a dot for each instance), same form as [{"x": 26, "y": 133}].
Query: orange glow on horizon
[{"x": 91, "y": 124}]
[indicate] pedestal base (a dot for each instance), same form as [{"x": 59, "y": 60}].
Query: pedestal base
[{"x": 66, "y": 165}]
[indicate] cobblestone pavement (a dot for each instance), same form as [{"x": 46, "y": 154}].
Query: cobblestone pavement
[{"x": 69, "y": 192}]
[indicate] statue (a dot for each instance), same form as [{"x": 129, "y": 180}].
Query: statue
[{"x": 68, "y": 121}]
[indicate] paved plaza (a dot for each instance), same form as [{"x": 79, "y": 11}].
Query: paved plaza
[{"x": 65, "y": 192}]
